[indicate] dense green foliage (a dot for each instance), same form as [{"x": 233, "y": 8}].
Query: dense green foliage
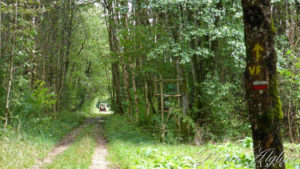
[
  {"x": 57, "y": 58},
  {"x": 172, "y": 71},
  {"x": 201, "y": 43},
  {"x": 54, "y": 55}
]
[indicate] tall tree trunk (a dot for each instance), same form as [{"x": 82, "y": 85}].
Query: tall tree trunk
[
  {"x": 111, "y": 22},
  {"x": 116, "y": 83},
  {"x": 0, "y": 29},
  {"x": 34, "y": 54},
  {"x": 261, "y": 84},
  {"x": 147, "y": 95},
  {"x": 289, "y": 114},
  {"x": 11, "y": 68},
  {"x": 44, "y": 66},
  {"x": 68, "y": 27},
  {"x": 125, "y": 66},
  {"x": 179, "y": 91},
  {"x": 183, "y": 90},
  {"x": 60, "y": 77},
  {"x": 69, "y": 35},
  {"x": 162, "y": 113},
  {"x": 7, "y": 105},
  {"x": 133, "y": 66},
  {"x": 108, "y": 82},
  {"x": 198, "y": 76},
  {"x": 127, "y": 88}
]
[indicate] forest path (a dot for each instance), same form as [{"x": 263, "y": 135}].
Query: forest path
[
  {"x": 100, "y": 153},
  {"x": 60, "y": 148}
]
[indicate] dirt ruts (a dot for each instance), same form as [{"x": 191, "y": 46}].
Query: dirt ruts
[{"x": 99, "y": 158}]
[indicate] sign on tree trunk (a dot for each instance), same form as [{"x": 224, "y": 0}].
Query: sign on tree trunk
[{"x": 261, "y": 84}]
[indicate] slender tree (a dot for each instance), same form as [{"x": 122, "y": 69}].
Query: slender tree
[
  {"x": 11, "y": 67},
  {"x": 0, "y": 28}
]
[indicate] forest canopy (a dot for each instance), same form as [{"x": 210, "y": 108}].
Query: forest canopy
[{"x": 182, "y": 70}]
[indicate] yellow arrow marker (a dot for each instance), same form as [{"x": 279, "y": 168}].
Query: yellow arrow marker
[{"x": 257, "y": 48}]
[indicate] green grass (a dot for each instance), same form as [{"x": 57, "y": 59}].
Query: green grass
[
  {"x": 130, "y": 147},
  {"x": 79, "y": 155},
  {"x": 21, "y": 148}
]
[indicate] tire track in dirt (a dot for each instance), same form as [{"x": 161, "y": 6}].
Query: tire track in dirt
[
  {"x": 99, "y": 158},
  {"x": 64, "y": 144}
]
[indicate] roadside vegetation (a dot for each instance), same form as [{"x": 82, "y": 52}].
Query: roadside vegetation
[
  {"x": 23, "y": 145},
  {"x": 134, "y": 147}
]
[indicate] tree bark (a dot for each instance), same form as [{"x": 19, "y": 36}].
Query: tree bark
[
  {"x": 289, "y": 115},
  {"x": 147, "y": 96},
  {"x": 0, "y": 29},
  {"x": 135, "y": 93},
  {"x": 261, "y": 84},
  {"x": 163, "y": 127},
  {"x": 198, "y": 72},
  {"x": 127, "y": 88},
  {"x": 112, "y": 19},
  {"x": 116, "y": 83},
  {"x": 11, "y": 68}
]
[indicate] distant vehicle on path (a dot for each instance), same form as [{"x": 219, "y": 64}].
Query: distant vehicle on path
[{"x": 102, "y": 107}]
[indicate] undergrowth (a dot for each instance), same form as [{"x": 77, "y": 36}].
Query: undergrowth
[
  {"x": 31, "y": 139},
  {"x": 131, "y": 147}
]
